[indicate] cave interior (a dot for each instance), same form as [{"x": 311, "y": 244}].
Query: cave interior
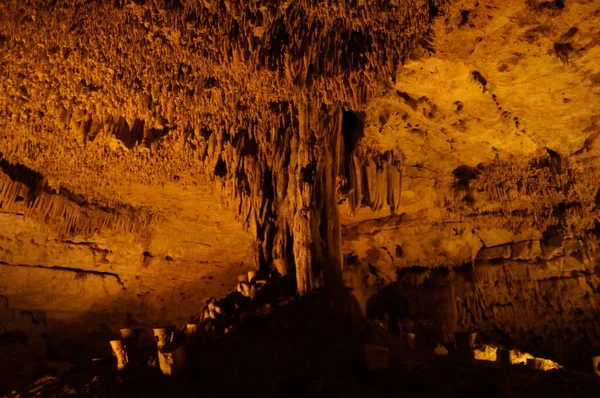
[{"x": 353, "y": 197}]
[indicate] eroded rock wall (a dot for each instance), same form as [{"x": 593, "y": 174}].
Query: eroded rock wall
[
  {"x": 497, "y": 226},
  {"x": 63, "y": 296},
  {"x": 514, "y": 254},
  {"x": 408, "y": 136}
]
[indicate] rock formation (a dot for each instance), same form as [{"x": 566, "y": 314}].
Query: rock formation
[{"x": 442, "y": 152}]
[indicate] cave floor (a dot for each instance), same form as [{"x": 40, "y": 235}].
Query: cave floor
[
  {"x": 444, "y": 379},
  {"x": 311, "y": 347}
]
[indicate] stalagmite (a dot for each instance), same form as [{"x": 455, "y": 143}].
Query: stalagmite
[
  {"x": 162, "y": 336},
  {"x": 353, "y": 282},
  {"x": 191, "y": 329},
  {"x": 440, "y": 350},
  {"x": 410, "y": 339},
  {"x": 596, "y": 365},
  {"x": 486, "y": 353},
  {"x": 518, "y": 358},
  {"x": 172, "y": 359},
  {"x": 130, "y": 340},
  {"x": 282, "y": 266},
  {"x": 120, "y": 352},
  {"x": 534, "y": 363},
  {"x": 306, "y": 277}
]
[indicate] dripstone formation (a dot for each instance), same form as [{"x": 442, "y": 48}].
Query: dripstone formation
[
  {"x": 437, "y": 157},
  {"x": 247, "y": 95}
]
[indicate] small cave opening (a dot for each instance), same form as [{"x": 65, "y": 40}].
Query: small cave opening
[
  {"x": 399, "y": 251},
  {"x": 353, "y": 129},
  {"x": 308, "y": 173},
  {"x": 129, "y": 136},
  {"x": 352, "y": 133},
  {"x": 220, "y": 168}
]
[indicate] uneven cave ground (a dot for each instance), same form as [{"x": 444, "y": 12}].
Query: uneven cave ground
[{"x": 313, "y": 344}]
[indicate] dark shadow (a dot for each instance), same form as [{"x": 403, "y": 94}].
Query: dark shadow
[
  {"x": 311, "y": 346},
  {"x": 352, "y": 129}
]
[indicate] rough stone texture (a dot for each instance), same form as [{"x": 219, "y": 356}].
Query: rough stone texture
[
  {"x": 500, "y": 183},
  {"x": 65, "y": 297},
  {"x": 446, "y": 150}
]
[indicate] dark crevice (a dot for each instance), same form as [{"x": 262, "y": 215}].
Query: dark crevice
[
  {"x": 129, "y": 136},
  {"x": 78, "y": 271},
  {"x": 464, "y": 18},
  {"x": 352, "y": 129},
  {"x": 308, "y": 173},
  {"x": 153, "y": 135},
  {"x": 478, "y": 77},
  {"x": 556, "y": 163},
  {"x": 20, "y": 173},
  {"x": 220, "y": 168},
  {"x": 410, "y": 101},
  {"x": 463, "y": 174},
  {"x": 399, "y": 251}
]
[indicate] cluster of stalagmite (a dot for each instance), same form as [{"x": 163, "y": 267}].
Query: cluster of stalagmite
[
  {"x": 173, "y": 349},
  {"x": 541, "y": 295},
  {"x": 247, "y": 94}
]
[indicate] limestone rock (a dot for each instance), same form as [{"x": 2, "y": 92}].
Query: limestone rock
[
  {"x": 486, "y": 353},
  {"x": 527, "y": 250}
]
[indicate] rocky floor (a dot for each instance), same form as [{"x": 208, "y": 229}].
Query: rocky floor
[{"x": 312, "y": 345}]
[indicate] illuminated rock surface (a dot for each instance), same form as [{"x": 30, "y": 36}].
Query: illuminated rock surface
[{"x": 443, "y": 152}]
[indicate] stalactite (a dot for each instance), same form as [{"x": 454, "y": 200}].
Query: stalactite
[
  {"x": 65, "y": 216},
  {"x": 262, "y": 88}
]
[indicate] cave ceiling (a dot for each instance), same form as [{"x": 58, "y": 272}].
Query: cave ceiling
[{"x": 174, "y": 101}]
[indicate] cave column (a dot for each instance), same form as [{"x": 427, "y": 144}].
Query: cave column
[{"x": 316, "y": 232}]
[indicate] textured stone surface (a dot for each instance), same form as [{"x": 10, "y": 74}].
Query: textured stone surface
[{"x": 447, "y": 151}]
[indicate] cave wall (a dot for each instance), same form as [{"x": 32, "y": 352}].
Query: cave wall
[
  {"x": 497, "y": 225},
  {"x": 59, "y": 293},
  {"x": 535, "y": 295},
  {"x": 507, "y": 248}
]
